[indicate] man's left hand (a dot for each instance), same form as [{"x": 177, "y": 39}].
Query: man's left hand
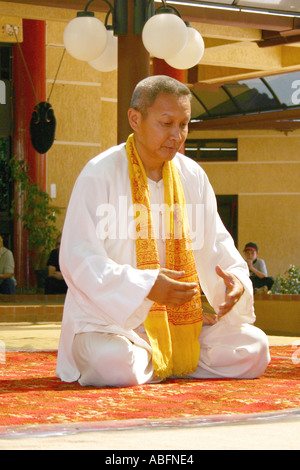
[{"x": 234, "y": 291}]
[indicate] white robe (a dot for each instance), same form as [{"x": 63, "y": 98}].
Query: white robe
[{"x": 106, "y": 292}]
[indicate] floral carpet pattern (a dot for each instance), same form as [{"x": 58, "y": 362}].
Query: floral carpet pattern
[{"x": 31, "y": 394}]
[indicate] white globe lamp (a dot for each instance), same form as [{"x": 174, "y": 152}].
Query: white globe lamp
[
  {"x": 108, "y": 60},
  {"x": 85, "y": 37},
  {"x": 191, "y": 54},
  {"x": 164, "y": 35}
]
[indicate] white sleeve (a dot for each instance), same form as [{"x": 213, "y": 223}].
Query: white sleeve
[
  {"x": 218, "y": 249},
  {"x": 102, "y": 288}
]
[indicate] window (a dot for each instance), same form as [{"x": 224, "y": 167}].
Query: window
[
  {"x": 228, "y": 210},
  {"x": 6, "y": 191},
  {"x": 4, "y": 176},
  {"x": 5, "y": 62},
  {"x": 6, "y": 186},
  {"x": 213, "y": 150},
  {"x": 255, "y": 95}
]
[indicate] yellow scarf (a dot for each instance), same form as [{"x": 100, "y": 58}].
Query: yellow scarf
[{"x": 173, "y": 332}]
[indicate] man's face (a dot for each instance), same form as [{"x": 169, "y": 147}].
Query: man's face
[
  {"x": 161, "y": 133},
  {"x": 250, "y": 254}
]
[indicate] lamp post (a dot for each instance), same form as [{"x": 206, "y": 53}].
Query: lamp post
[
  {"x": 130, "y": 72},
  {"x": 141, "y": 32}
]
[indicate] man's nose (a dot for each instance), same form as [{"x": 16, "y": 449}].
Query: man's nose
[{"x": 176, "y": 133}]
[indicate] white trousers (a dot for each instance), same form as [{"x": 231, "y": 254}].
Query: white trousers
[{"x": 226, "y": 351}]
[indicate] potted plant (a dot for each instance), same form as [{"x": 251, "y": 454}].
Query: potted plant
[
  {"x": 278, "y": 313},
  {"x": 38, "y": 218},
  {"x": 289, "y": 282}
]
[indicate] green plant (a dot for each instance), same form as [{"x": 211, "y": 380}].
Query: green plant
[
  {"x": 37, "y": 215},
  {"x": 289, "y": 282}
]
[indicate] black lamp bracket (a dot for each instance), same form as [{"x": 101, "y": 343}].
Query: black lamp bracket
[
  {"x": 86, "y": 12},
  {"x": 164, "y": 8},
  {"x": 143, "y": 10}
]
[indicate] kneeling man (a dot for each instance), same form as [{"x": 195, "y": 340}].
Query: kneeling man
[{"x": 141, "y": 235}]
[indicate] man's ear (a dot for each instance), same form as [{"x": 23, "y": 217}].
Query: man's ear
[{"x": 134, "y": 118}]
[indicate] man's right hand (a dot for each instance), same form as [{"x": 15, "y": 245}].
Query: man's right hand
[{"x": 168, "y": 291}]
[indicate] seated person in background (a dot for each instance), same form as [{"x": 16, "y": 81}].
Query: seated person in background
[
  {"x": 55, "y": 283},
  {"x": 258, "y": 270},
  {"x": 7, "y": 269}
]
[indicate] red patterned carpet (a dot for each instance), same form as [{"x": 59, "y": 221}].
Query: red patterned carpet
[{"x": 30, "y": 394}]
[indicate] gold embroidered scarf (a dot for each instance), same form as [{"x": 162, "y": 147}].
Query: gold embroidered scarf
[{"x": 173, "y": 332}]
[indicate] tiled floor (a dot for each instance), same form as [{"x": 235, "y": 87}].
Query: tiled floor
[{"x": 274, "y": 434}]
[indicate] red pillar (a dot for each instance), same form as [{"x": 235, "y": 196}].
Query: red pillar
[
  {"x": 160, "y": 67},
  {"x": 130, "y": 71},
  {"x": 34, "y": 52}
]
